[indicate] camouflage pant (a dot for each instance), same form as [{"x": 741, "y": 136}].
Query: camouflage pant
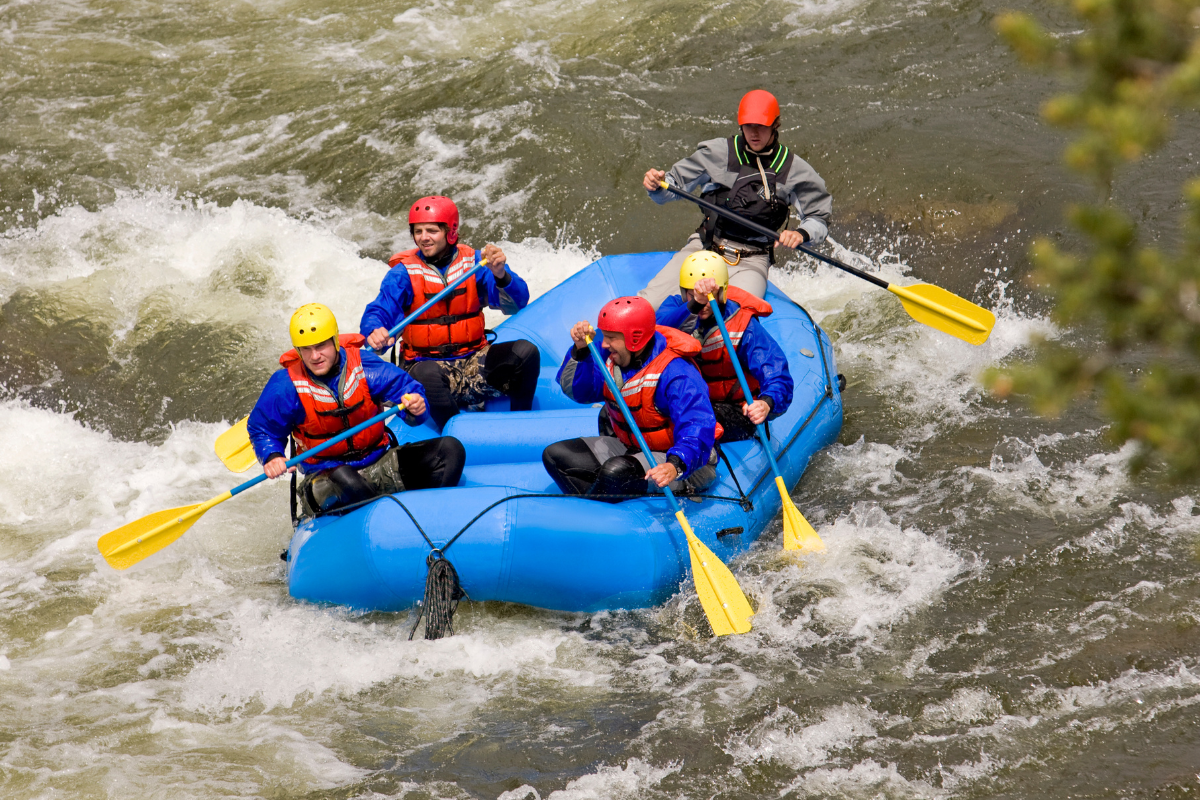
[
  {"x": 317, "y": 490},
  {"x": 466, "y": 379}
]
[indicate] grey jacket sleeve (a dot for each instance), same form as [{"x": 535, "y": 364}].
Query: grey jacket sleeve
[
  {"x": 702, "y": 168},
  {"x": 806, "y": 194}
]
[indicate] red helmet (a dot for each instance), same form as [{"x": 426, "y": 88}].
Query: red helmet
[
  {"x": 758, "y": 107},
  {"x": 436, "y": 209},
  {"x": 632, "y": 317}
]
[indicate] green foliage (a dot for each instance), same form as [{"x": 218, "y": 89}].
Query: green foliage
[{"x": 1135, "y": 64}]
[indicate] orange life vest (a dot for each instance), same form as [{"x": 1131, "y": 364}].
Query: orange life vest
[
  {"x": 452, "y": 327},
  {"x": 638, "y": 391},
  {"x": 714, "y": 363},
  {"x": 326, "y": 414}
]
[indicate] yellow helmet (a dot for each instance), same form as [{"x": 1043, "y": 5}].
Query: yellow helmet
[
  {"x": 312, "y": 324},
  {"x": 703, "y": 264}
]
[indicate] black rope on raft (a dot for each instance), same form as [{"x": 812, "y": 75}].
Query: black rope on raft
[
  {"x": 442, "y": 593},
  {"x": 747, "y": 504}
]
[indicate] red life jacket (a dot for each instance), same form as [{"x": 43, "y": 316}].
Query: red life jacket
[
  {"x": 326, "y": 415},
  {"x": 453, "y": 326},
  {"x": 714, "y": 363},
  {"x": 638, "y": 391}
]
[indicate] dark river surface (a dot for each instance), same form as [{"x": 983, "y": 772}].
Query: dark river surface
[{"x": 1002, "y": 611}]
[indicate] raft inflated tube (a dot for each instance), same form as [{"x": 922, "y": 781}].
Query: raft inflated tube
[{"x": 505, "y": 437}]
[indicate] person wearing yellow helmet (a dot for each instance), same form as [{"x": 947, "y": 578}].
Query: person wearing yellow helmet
[
  {"x": 703, "y": 273},
  {"x": 328, "y": 384},
  {"x": 752, "y": 174}
]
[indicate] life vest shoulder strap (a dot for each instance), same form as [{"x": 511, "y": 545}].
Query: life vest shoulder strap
[
  {"x": 754, "y": 305},
  {"x": 681, "y": 344},
  {"x": 413, "y": 257},
  {"x": 779, "y": 166}
]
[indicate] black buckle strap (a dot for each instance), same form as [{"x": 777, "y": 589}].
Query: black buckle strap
[
  {"x": 450, "y": 349},
  {"x": 737, "y": 252},
  {"x": 445, "y": 319}
]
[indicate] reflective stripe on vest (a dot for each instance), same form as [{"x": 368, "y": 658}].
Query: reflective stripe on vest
[
  {"x": 714, "y": 363},
  {"x": 638, "y": 393},
  {"x": 452, "y": 327},
  {"x": 327, "y": 414}
]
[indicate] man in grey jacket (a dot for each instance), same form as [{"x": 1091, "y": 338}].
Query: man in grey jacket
[{"x": 755, "y": 176}]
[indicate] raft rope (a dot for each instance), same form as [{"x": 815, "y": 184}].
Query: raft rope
[
  {"x": 442, "y": 593},
  {"x": 292, "y": 497},
  {"x": 746, "y": 504}
]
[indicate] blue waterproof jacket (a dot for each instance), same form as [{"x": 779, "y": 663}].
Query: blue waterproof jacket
[
  {"x": 395, "y": 298},
  {"x": 279, "y": 411},
  {"x": 681, "y": 395},
  {"x": 758, "y": 352}
]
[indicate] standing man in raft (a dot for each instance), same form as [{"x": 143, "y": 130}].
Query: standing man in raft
[
  {"x": 666, "y": 395},
  {"x": 446, "y": 348},
  {"x": 329, "y": 385},
  {"x": 755, "y": 176},
  {"x": 763, "y": 361}
]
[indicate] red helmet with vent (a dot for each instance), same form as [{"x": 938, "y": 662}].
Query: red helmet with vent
[
  {"x": 758, "y": 107},
  {"x": 436, "y": 209},
  {"x": 632, "y": 317}
]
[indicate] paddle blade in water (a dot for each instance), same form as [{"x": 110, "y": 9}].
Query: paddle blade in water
[
  {"x": 233, "y": 448},
  {"x": 129, "y": 544},
  {"x": 726, "y": 606},
  {"x": 934, "y": 306},
  {"x": 798, "y": 534}
]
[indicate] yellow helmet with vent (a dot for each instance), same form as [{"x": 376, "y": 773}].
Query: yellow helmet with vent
[
  {"x": 703, "y": 264},
  {"x": 312, "y": 324}
]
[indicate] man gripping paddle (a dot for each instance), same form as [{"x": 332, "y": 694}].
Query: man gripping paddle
[
  {"x": 446, "y": 348},
  {"x": 663, "y": 390},
  {"x": 329, "y": 384},
  {"x": 755, "y": 175},
  {"x": 704, "y": 273}
]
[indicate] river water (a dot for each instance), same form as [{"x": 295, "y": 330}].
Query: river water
[{"x": 1002, "y": 611}]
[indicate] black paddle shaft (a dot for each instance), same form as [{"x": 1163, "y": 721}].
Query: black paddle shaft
[{"x": 765, "y": 231}]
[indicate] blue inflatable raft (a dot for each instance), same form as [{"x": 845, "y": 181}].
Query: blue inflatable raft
[{"x": 511, "y": 534}]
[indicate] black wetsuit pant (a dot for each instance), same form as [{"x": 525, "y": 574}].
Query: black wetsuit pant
[
  {"x": 508, "y": 368},
  {"x": 738, "y": 427},
  {"x": 604, "y": 468}
]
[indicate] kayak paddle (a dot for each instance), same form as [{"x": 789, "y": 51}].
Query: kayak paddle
[
  {"x": 928, "y": 304},
  {"x": 134, "y": 541},
  {"x": 798, "y": 534},
  {"x": 722, "y": 598},
  {"x": 233, "y": 446}
]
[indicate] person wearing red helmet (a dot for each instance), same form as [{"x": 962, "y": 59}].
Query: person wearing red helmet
[
  {"x": 666, "y": 395},
  {"x": 446, "y": 348},
  {"x": 754, "y": 175}
]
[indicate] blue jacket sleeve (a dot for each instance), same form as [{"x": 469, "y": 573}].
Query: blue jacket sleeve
[
  {"x": 277, "y": 412},
  {"x": 389, "y": 383},
  {"x": 581, "y": 380},
  {"x": 511, "y": 297},
  {"x": 683, "y": 396},
  {"x": 762, "y": 357},
  {"x": 673, "y": 313},
  {"x": 388, "y": 308}
]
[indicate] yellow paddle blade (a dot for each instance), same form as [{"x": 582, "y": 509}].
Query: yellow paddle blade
[
  {"x": 798, "y": 534},
  {"x": 726, "y": 606},
  {"x": 129, "y": 544},
  {"x": 233, "y": 448},
  {"x": 934, "y": 306}
]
